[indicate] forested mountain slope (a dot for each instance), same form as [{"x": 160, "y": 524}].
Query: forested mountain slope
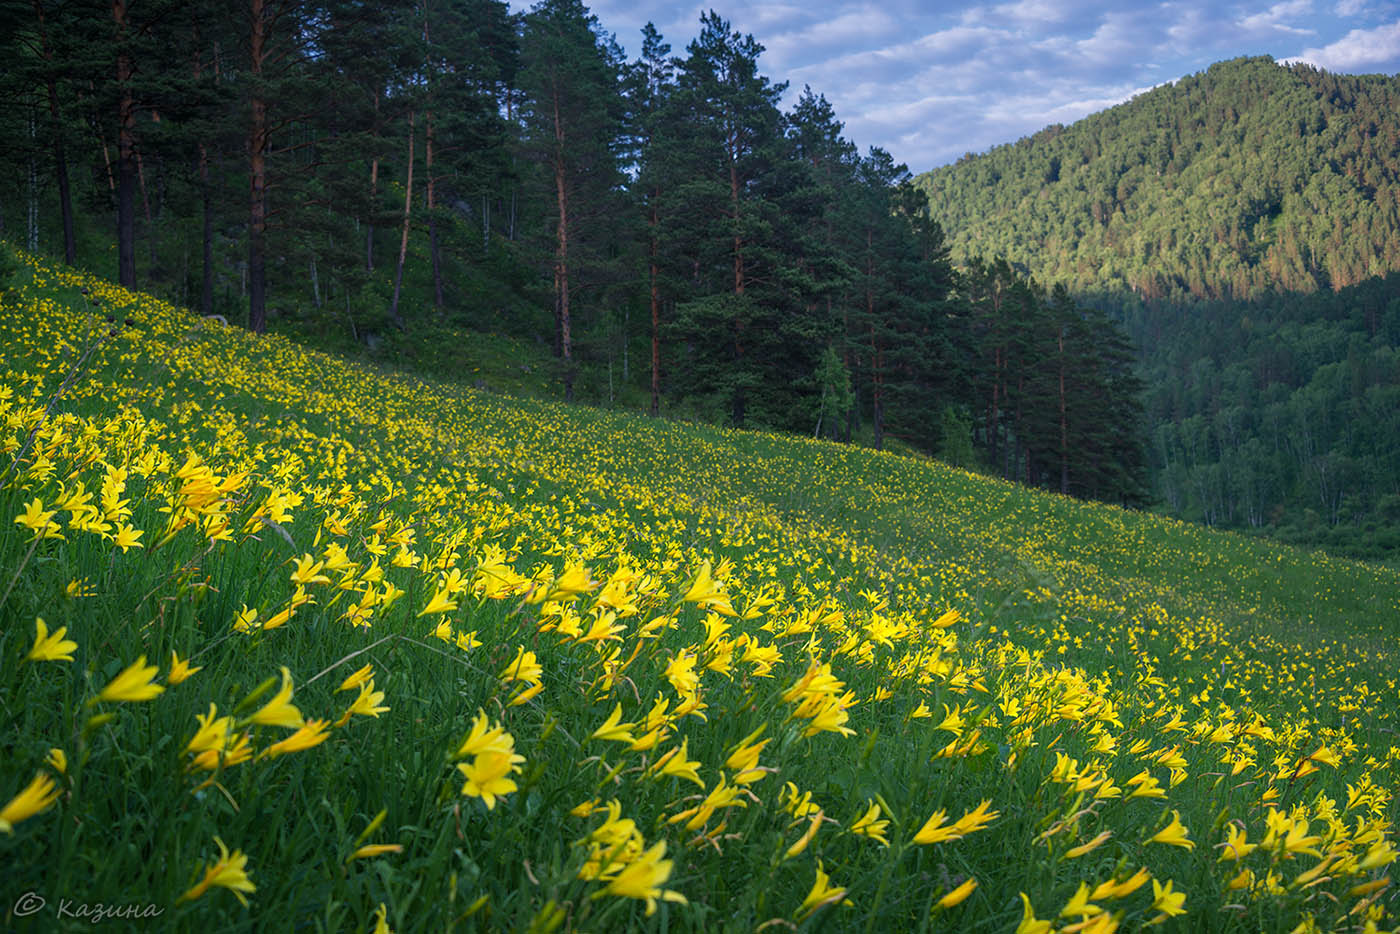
[
  {"x": 1280, "y": 413},
  {"x": 1250, "y": 176}
]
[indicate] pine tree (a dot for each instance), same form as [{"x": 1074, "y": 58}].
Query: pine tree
[{"x": 572, "y": 114}]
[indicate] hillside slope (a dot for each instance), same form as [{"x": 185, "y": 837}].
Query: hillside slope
[
  {"x": 1247, "y": 177},
  {"x": 604, "y": 672}
]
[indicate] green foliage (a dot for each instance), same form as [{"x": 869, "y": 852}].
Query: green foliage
[
  {"x": 1248, "y": 177},
  {"x": 837, "y": 398},
  {"x": 955, "y": 437},
  {"x": 381, "y": 178},
  {"x": 1088, "y": 651},
  {"x": 9, "y": 267},
  {"x": 1262, "y": 411}
]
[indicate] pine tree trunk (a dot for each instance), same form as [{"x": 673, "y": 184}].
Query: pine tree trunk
[
  {"x": 1064, "y": 422},
  {"x": 126, "y": 145},
  {"x": 849, "y": 429},
  {"x": 994, "y": 415},
  {"x": 373, "y": 194},
  {"x": 876, "y": 357},
  {"x": 734, "y": 206},
  {"x": 655, "y": 317},
  {"x": 433, "y": 247},
  {"x": 31, "y": 242},
  {"x": 206, "y": 280},
  {"x": 146, "y": 208},
  {"x": 740, "y": 402},
  {"x": 561, "y": 253},
  {"x": 403, "y": 237},
  {"x": 60, "y": 156},
  {"x": 257, "y": 176}
]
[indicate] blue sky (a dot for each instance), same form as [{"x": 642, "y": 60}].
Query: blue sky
[{"x": 931, "y": 81}]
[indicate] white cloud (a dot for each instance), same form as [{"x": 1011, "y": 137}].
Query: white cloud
[
  {"x": 1273, "y": 19},
  {"x": 861, "y": 25},
  {"x": 930, "y": 81},
  {"x": 1360, "y": 49},
  {"x": 1021, "y": 13}
]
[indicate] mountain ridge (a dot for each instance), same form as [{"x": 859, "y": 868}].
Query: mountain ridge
[{"x": 1248, "y": 177}]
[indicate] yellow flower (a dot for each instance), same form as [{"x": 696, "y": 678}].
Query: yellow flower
[
  {"x": 934, "y": 830},
  {"x": 311, "y": 733},
  {"x": 524, "y": 667},
  {"x": 1030, "y": 924},
  {"x": 243, "y": 622},
  {"x": 365, "y": 705},
  {"x": 50, "y": 647},
  {"x": 57, "y": 760},
  {"x": 574, "y": 581},
  {"x": 38, "y": 520},
  {"x": 488, "y": 775},
  {"x": 677, "y": 762},
  {"x": 947, "y": 619},
  {"x": 976, "y": 819},
  {"x": 230, "y": 753},
  {"x": 744, "y": 759},
  {"x": 1174, "y": 834},
  {"x": 705, "y": 593},
  {"x": 869, "y": 825},
  {"x": 937, "y": 830},
  {"x": 226, "y": 872},
  {"x": 1166, "y": 901},
  {"x": 38, "y": 796},
  {"x": 1243, "y": 879},
  {"x": 821, "y": 895},
  {"x": 1114, "y": 889},
  {"x": 1145, "y": 786},
  {"x": 1235, "y": 845},
  {"x": 308, "y": 571},
  {"x": 806, "y": 838},
  {"x": 797, "y": 803},
  {"x": 1079, "y": 904},
  {"x": 614, "y": 729},
  {"x": 371, "y": 850},
  {"x": 179, "y": 669},
  {"x": 280, "y": 711},
  {"x": 1380, "y": 854},
  {"x": 442, "y": 602},
  {"x": 484, "y": 737},
  {"x": 1325, "y": 756},
  {"x": 358, "y": 678},
  {"x": 1089, "y": 847},
  {"x": 643, "y": 877},
  {"x": 381, "y": 921},
  {"x": 134, "y": 683},
  {"x": 212, "y": 733},
  {"x": 524, "y": 693},
  {"x": 958, "y": 895},
  {"x": 127, "y": 537}
]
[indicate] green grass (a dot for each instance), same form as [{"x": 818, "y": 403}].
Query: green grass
[{"x": 1091, "y": 644}]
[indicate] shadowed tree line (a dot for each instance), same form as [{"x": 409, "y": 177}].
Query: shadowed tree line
[{"x": 380, "y": 167}]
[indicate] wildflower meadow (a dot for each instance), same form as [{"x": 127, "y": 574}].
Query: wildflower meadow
[{"x": 289, "y": 643}]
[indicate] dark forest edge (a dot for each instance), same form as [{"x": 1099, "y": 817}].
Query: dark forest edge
[
  {"x": 395, "y": 179},
  {"x": 1243, "y": 225}
]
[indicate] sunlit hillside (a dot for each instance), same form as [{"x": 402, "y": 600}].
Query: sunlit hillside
[{"x": 287, "y": 642}]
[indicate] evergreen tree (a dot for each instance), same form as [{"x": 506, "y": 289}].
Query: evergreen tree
[
  {"x": 572, "y": 112},
  {"x": 651, "y": 85}
]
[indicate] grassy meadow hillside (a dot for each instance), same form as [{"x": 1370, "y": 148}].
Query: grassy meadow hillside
[{"x": 287, "y": 641}]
